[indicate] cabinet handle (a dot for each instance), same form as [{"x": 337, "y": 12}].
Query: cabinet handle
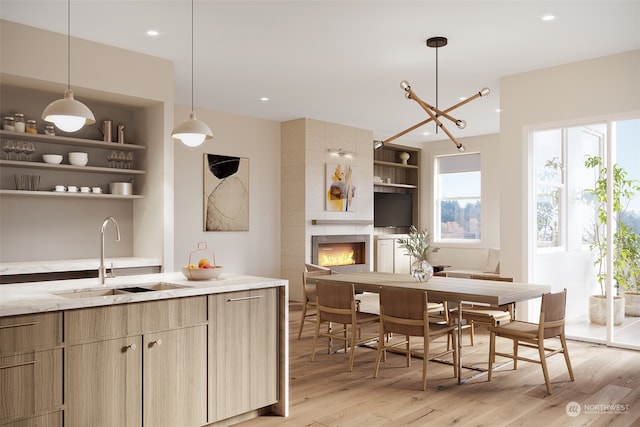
[
  {"x": 33, "y": 362},
  {"x": 157, "y": 342},
  {"x": 244, "y": 298},
  {"x": 18, "y": 325},
  {"x": 130, "y": 347}
]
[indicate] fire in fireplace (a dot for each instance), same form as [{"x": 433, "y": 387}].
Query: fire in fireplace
[{"x": 345, "y": 253}]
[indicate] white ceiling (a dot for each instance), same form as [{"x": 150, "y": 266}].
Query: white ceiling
[{"x": 342, "y": 61}]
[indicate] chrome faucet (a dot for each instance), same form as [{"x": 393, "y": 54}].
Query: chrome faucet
[{"x": 102, "y": 271}]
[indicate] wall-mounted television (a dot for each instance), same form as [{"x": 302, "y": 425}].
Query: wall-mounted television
[{"x": 392, "y": 209}]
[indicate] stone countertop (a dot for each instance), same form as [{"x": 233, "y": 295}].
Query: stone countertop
[
  {"x": 38, "y": 297},
  {"x": 56, "y": 266}
]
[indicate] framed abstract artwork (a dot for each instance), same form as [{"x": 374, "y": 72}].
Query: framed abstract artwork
[
  {"x": 226, "y": 193},
  {"x": 341, "y": 188}
]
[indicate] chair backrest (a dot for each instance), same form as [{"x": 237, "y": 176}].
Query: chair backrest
[
  {"x": 315, "y": 267},
  {"x": 309, "y": 285},
  {"x": 336, "y": 302},
  {"x": 404, "y": 311},
  {"x": 552, "y": 313}
]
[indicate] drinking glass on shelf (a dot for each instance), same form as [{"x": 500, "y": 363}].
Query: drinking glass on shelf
[
  {"x": 122, "y": 158},
  {"x": 19, "y": 148},
  {"x": 8, "y": 146},
  {"x": 129, "y": 160},
  {"x": 112, "y": 157},
  {"x": 29, "y": 149}
]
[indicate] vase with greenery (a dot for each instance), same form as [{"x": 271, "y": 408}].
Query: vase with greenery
[
  {"x": 418, "y": 246},
  {"x": 626, "y": 242}
]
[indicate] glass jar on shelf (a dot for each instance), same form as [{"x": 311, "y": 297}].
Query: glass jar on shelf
[
  {"x": 19, "y": 122},
  {"x": 31, "y": 126},
  {"x": 50, "y": 130},
  {"x": 9, "y": 123}
]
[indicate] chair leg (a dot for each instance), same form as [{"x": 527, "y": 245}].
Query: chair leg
[
  {"x": 471, "y": 332},
  {"x": 315, "y": 339},
  {"x": 304, "y": 315},
  {"x": 492, "y": 354},
  {"x": 408, "y": 347},
  {"x": 352, "y": 350},
  {"x": 425, "y": 359},
  {"x": 543, "y": 362},
  {"x": 515, "y": 354},
  {"x": 565, "y": 351},
  {"x": 454, "y": 340},
  {"x": 381, "y": 348}
]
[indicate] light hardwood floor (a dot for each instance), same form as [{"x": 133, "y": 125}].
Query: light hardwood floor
[{"x": 323, "y": 393}]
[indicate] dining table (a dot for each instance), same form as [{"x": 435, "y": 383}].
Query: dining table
[{"x": 451, "y": 289}]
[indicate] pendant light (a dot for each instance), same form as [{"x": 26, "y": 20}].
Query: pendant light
[
  {"x": 68, "y": 114},
  {"x": 192, "y": 132},
  {"x": 434, "y": 112}
]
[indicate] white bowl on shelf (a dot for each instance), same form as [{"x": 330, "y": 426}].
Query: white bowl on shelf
[
  {"x": 54, "y": 159},
  {"x": 78, "y": 159}
]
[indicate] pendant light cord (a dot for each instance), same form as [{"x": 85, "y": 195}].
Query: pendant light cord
[
  {"x": 69, "y": 44},
  {"x": 436, "y": 86},
  {"x": 192, "y": 55}
]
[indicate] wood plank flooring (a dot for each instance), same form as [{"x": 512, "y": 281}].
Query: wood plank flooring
[{"x": 323, "y": 393}]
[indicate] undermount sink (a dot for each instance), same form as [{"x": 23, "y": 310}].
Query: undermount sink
[{"x": 105, "y": 292}]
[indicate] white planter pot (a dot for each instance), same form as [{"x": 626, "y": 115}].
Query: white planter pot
[
  {"x": 598, "y": 310},
  {"x": 632, "y": 303}
]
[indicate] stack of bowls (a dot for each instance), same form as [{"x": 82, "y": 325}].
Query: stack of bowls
[{"x": 78, "y": 159}]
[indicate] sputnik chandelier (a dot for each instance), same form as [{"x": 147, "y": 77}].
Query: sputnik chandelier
[{"x": 433, "y": 112}]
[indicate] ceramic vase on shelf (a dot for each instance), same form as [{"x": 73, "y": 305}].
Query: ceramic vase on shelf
[{"x": 421, "y": 270}]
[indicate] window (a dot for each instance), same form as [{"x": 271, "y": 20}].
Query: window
[{"x": 458, "y": 197}]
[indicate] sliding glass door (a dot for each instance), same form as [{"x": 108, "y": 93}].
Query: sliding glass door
[{"x": 571, "y": 222}]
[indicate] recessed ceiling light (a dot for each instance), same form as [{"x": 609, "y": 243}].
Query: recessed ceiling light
[
  {"x": 498, "y": 110},
  {"x": 264, "y": 99},
  {"x": 152, "y": 33},
  {"x": 426, "y": 133},
  {"x": 548, "y": 18}
]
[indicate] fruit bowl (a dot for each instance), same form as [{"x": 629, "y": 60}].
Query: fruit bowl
[{"x": 202, "y": 273}]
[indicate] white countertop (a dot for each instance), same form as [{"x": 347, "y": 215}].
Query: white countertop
[
  {"x": 56, "y": 266},
  {"x": 38, "y": 297}
]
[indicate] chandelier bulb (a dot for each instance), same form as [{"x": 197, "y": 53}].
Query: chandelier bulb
[
  {"x": 460, "y": 148},
  {"x": 461, "y": 124},
  {"x": 485, "y": 91},
  {"x": 405, "y": 85}
]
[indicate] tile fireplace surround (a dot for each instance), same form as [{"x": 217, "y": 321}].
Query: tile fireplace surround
[{"x": 346, "y": 253}]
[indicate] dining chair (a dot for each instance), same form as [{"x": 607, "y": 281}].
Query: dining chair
[
  {"x": 336, "y": 305},
  {"x": 533, "y": 335},
  {"x": 309, "y": 293},
  {"x": 405, "y": 312}
]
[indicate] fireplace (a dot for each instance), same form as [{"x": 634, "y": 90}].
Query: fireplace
[{"x": 342, "y": 253}]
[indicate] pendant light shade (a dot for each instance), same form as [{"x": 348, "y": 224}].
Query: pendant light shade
[
  {"x": 192, "y": 132},
  {"x": 68, "y": 114}
]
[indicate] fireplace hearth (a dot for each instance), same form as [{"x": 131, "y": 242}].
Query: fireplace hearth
[{"x": 343, "y": 253}]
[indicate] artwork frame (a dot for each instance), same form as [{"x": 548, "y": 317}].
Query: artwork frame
[
  {"x": 225, "y": 193},
  {"x": 340, "y": 195}
]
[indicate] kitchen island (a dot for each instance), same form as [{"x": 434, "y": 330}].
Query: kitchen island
[{"x": 143, "y": 350}]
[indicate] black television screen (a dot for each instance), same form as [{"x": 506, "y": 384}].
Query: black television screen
[{"x": 392, "y": 209}]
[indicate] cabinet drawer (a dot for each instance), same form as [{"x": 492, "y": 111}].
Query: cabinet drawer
[
  {"x": 90, "y": 324},
  {"x": 30, "y": 383},
  {"x": 30, "y": 332},
  {"x": 49, "y": 420}
]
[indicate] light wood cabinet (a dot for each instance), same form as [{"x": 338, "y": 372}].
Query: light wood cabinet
[
  {"x": 243, "y": 348},
  {"x": 154, "y": 374},
  {"x": 53, "y": 419},
  {"x": 390, "y": 257},
  {"x": 31, "y": 370}
]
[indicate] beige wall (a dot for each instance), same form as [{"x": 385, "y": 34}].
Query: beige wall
[
  {"x": 586, "y": 90},
  {"x": 256, "y": 251}
]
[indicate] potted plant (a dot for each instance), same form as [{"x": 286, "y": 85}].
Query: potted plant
[
  {"x": 626, "y": 257},
  {"x": 418, "y": 245}
]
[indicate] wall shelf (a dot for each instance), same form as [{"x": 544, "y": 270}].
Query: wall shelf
[
  {"x": 23, "y": 193},
  {"x": 342, "y": 221},
  {"x": 65, "y": 140},
  {"x": 69, "y": 168}
]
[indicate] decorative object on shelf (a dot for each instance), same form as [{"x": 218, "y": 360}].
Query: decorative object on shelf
[
  {"x": 341, "y": 188},
  {"x": 106, "y": 130},
  {"x": 78, "y": 158},
  {"x": 418, "y": 246},
  {"x": 226, "y": 193},
  {"x": 433, "y": 111},
  {"x": 31, "y": 127},
  {"x": 9, "y": 123},
  {"x": 54, "y": 159},
  {"x": 404, "y": 157},
  {"x": 192, "y": 132},
  {"x": 27, "y": 182},
  {"x": 19, "y": 122},
  {"x": 121, "y": 134},
  {"x": 50, "y": 130},
  {"x": 68, "y": 114}
]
